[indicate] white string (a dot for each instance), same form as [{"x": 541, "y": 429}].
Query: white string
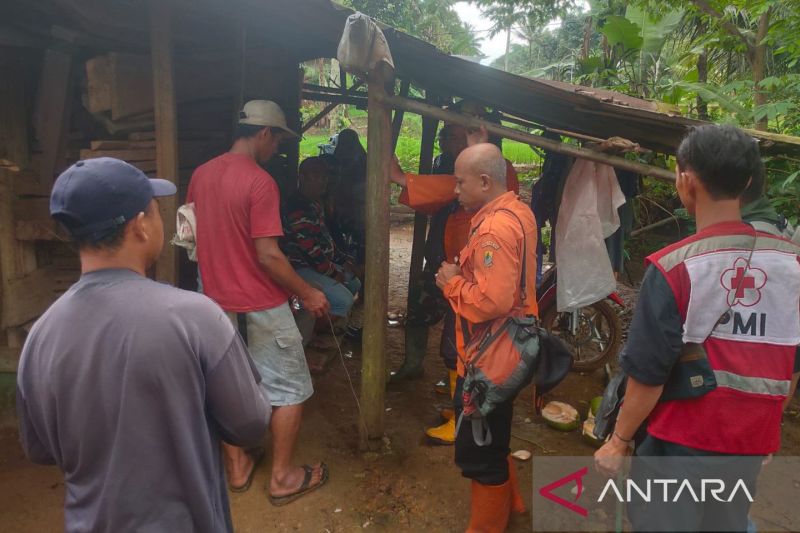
[{"x": 347, "y": 373}]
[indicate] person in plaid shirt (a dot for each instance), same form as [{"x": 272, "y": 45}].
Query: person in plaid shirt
[{"x": 309, "y": 245}]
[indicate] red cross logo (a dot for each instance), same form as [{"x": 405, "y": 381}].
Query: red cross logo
[{"x": 743, "y": 284}]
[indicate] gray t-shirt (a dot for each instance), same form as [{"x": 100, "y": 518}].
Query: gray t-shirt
[{"x": 129, "y": 385}]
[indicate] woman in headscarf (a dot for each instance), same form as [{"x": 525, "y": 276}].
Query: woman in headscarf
[{"x": 347, "y": 197}]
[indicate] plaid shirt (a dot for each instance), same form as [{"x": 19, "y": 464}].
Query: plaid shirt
[{"x": 307, "y": 242}]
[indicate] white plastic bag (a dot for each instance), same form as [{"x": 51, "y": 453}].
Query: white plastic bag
[
  {"x": 363, "y": 45},
  {"x": 185, "y": 230},
  {"x": 587, "y": 215}
]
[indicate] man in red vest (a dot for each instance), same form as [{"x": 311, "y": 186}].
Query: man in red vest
[{"x": 712, "y": 349}]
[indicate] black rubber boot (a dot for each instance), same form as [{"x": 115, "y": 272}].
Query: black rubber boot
[{"x": 416, "y": 346}]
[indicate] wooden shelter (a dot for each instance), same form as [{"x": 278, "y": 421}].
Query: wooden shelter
[{"x": 159, "y": 83}]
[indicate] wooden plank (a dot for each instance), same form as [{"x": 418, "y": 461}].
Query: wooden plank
[
  {"x": 142, "y": 136},
  {"x": 27, "y": 297},
  {"x": 166, "y": 119},
  {"x": 51, "y": 109},
  {"x": 147, "y": 154},
  {"x": 121, "y": 145},
  {"x": 471, "y": 122},
  {"x": 39, "y": 230},
  {"x": 9, "y": 359},
  {"x": 98, "y": 77},
  {"x": 35, "y": 208},
  {"x": 14, "y": 151},
  {"x": 145, "y": 166},
  {"x": 397, "y": 120},
  {"x": 27, "y": 183},
  {"x": 376, "y": 293}
]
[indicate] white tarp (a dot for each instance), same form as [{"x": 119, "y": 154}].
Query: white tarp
[{"x": 587, "y": 215}]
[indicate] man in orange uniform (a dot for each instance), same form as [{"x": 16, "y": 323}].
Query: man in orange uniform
[
  {"x": 485, "y": 286},
  {"x": 434, "y": 194}
]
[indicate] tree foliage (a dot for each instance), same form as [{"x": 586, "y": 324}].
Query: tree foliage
[{"x": 434, "y": 21}]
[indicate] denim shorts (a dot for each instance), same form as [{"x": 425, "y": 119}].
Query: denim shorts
[
  {"x": 339, "y": 295},
  {"x": 276, "y": 346}
]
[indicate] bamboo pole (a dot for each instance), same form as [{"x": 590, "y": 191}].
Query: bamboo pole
[
  {"x": 376, "y": 290},
  {"x": 521, "y": 136},
  {"x": 166, "y": 122}
]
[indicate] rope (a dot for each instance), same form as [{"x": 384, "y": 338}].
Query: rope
[{"x": 347, "y": 373}]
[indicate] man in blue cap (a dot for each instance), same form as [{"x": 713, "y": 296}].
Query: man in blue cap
[{"x": 129, "y": 385}]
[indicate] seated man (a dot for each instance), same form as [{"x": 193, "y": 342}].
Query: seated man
[{"x": 308, "y": 243}]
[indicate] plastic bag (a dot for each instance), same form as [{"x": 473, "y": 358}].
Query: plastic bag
[
  {"x": 185, "y": 228},
  {"x": 363, "y": 45},
  {"x": 588, "y": 214}
]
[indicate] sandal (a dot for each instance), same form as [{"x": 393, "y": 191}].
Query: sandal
[
  {"x": 304, "y": 486},
  {"x": 257, "y": 455}
]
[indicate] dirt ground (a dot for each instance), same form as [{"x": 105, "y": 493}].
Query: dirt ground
[{"x": 408, "y": 486}]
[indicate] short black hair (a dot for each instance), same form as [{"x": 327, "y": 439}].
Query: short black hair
[
  {"x": 245, "y": 131},
  {"x": 723, "y": 157},
  {"x": 757, "y": 187},
  {"x": 110, "y": 242}
]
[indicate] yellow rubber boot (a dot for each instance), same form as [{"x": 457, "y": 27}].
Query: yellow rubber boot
[{"x": 446, "y": 433}]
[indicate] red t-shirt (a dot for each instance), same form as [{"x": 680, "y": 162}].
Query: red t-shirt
[{"x": 235, "y": 201}]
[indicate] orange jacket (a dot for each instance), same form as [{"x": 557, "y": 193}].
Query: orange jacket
[
  {"x": 428, "y": 193},
  {"x": 491, "y": 266}
]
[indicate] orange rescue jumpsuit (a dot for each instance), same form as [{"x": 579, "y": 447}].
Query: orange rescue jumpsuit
[
  {"x": 488, "y": 288},
  {"x": 427, "y": 193}
]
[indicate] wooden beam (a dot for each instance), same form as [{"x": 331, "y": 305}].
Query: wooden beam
[
  {"x": 52, "y": 109},
  {"x": 376, "y": 290},
  {"x": 166, "y": 120},
  {"x": 397, "y": 121},
  {"x": 327, "y": 109},
  {"x": 26, "y": 297},
  {"x": 39, "y": 230},
  {"x": 9, "y": 359},
  {"x": 13, "y": 118},
  {"x": 535, "y": 140},
  {"x": 350, "y": 99},
  {"x": 429, "y": 127}
]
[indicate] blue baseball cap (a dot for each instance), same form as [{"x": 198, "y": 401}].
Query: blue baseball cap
[{"x": 94, "y": 197}]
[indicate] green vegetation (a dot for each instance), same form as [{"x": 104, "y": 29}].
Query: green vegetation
[{"x": 408, "y": 149}]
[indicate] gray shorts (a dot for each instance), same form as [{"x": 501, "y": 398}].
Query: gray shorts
[{"x": 276, "y": 347}]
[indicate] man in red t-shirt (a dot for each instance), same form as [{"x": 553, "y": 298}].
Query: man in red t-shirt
[{"x": 244, "y": 271}]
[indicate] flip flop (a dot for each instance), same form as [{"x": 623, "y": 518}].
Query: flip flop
[
  {"x": 277, "y": 501},
  {"x": 257, "y": 455}
]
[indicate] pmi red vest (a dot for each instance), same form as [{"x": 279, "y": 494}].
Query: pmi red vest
[{"x": 751, "y": 351}]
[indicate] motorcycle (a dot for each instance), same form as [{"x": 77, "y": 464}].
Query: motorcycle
[{"x": 594, "y": 332}]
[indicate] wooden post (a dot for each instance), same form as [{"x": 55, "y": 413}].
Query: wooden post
[
  {"x": 397, "y": 121},
  {"x": 376, "y": 291},
  {"x": 429, "y": 126},
  {"x": 52, "y": 110},
  {"x": 166, "y": 122}
]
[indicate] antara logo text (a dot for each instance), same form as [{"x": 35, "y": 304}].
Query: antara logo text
[
  {"x": 672, "y": 490},
  {"x": 666, "y": 490}
]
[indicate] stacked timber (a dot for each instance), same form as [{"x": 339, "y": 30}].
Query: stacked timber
[{"x": 139, "y": 149}]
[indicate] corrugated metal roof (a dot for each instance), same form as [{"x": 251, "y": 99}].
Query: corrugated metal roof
[{"x": 308, "y": 29}]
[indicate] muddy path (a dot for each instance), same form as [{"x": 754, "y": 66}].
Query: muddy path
[{"x": 408, "y": 486}]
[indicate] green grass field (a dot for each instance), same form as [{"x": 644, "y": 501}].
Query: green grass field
[{"x": 408, "y": 150}]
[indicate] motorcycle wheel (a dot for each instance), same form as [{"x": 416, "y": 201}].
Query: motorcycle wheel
[{"x": 597, "y": 338}]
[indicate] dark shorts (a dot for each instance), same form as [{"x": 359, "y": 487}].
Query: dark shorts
[
  {"x": 487, "y": 465},
  {"x": 447, "y": 347}
]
